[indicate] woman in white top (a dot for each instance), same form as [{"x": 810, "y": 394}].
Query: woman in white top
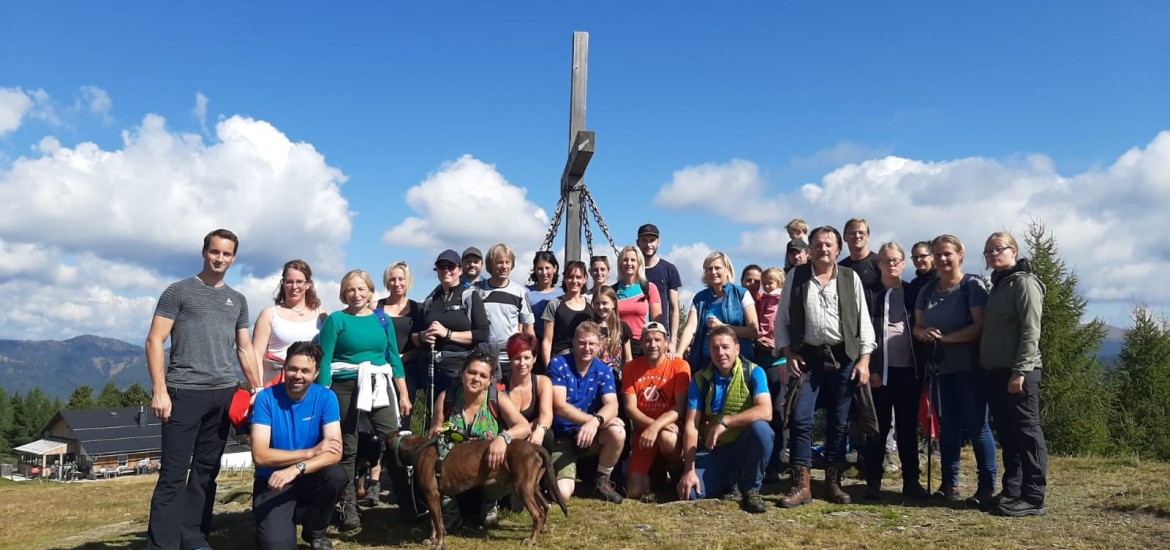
[{"x": 297, "y": 316}]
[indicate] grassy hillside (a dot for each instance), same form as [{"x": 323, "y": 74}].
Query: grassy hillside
[{"x": 1093, "y": 503}]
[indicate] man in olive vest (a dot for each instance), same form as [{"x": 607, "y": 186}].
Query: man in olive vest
[
  {"x": 823, "y": 328},
  {"x": 728, "y": 411}
]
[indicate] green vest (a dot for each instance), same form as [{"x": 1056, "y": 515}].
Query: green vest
[
  {"x": 737, "y": 399},
  {"x": 847, "y": 304}
]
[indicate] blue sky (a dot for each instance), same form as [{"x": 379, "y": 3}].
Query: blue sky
[{"x": 333, "y": 127}]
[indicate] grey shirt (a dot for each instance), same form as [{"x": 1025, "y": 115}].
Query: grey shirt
[
  {"x": 950, "y": 311},
  {"x": 203, "y": 338}
]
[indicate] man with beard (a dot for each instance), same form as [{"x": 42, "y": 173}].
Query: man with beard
[
  {"x": 296, "y": 446},
  {"x": 663, "y": 275},
  {"x": 654, "y": 393}
]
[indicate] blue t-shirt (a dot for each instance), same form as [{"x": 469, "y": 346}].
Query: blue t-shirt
[
  {"x": 296, "y": 425},
  {"x": 757, "y": 383},
  {"x": 583, "y": 392},
  {"x": 538, "y": 300}
]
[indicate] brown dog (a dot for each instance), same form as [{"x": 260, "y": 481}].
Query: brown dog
[{"x": 526, "y": 466}]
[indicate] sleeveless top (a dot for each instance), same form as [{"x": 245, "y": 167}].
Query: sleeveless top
[
  {"x": 530, "y": 412},
  {"x": 284, "y": 333}
]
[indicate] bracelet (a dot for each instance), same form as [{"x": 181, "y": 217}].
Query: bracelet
[
  {"x": 448, "y": 337},
  {"x": 723, "y": 422},
  {"x": 600, "y": 420}
]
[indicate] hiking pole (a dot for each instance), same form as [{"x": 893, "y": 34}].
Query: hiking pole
[
  {"x": 935, "y": 402},
  {"x": 431, "y": 389}
]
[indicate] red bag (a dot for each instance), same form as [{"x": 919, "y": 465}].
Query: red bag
[
  {"x": 241, "y": 408},
  {"x": 928, "y": 416}
]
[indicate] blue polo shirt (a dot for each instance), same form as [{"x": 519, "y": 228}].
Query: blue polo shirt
[
  {"x": 584, "y": 392},
  {"x": 296, "y": 425}
]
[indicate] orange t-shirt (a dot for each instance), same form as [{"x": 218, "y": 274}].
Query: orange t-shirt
[{"x": 656, "y": 389}]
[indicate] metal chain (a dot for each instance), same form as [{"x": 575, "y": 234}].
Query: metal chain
[
  {"x": 587, "y": 198},
  {"x": 585, "y": 223},
  {"x": 556, "y": 223}
]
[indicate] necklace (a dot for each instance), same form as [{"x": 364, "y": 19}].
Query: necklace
[{"x": 300, "y": 311}]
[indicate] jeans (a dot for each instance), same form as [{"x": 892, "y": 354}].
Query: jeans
[
  {"x": 192, "y": 445},
  {"x": 307, "y": 500},
  {"x": 963, "y": 408},
  {"x": 739, "y": 463},
  {"x": 897, "y": 407},
  {"x": 778, "y": 387},
  {"x": 1017, "y": 422},
  {"x": 838, "y": 395}
]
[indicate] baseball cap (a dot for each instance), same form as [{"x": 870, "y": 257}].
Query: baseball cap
[
  {"x": 654, "y": 326},
  {"x": 447, "y": 256},
  {"x": 648, "y": 229},
  {"x": 797, "y": 244},
  {"x": 472, "y": 251}
]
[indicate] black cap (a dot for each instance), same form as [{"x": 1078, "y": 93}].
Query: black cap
[
  {"x": 447, "y": 256},
  {"x": 648, "y": 229},
  {"x": 472, "y": 251},
  {"x": 797, "y": 244}
]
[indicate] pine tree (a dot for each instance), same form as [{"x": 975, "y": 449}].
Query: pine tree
[
  {"x": 1142, "y": 374},
  {"x": 110, "y": 396},
  {"x": 35, "y": 411},
  {"x": 7, "y": 419},
  {"x": 1075, "y": 401},
  {"x": 136, "y": 396},
  {"x": 82, "y": 398}
]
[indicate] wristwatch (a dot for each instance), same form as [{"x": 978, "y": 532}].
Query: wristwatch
[
  {"x": 301, "y": 466},
  {"x": 723, "y": 421},
  {"x": 600, "y": 420},
  {"x": 507, "y": 437}
]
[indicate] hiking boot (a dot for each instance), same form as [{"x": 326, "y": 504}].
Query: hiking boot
[
  {"x": 732, "y": 495},
  {"x": 603, "y": 488},
  {"x": 799, "y": 494},
  {"x": 873, "y": 490},
  {"x": 948, "y": 492},
  {"x": 982, "y": 499},
  {"x": 1020, "y": 508},
  {"x": 349, "y": 514},
  {"x": 915, "y": 490},
  {"x": 322, "y": 543},
  {"x": 373, "y": 495},
  {"x": 833, "y": 492},
  {"x": 752, "y": 503}
]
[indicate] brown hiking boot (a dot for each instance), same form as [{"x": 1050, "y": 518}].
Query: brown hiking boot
[
  {"x": 800, "y": 493},
  {"x": 833, "y": 492}
]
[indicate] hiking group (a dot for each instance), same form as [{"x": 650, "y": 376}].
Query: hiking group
[{"x": 629, "y": 397}]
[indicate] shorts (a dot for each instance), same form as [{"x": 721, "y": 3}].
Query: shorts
[
  {"x": 642, "y": 460},
  {"x": 565, "y": 455}
]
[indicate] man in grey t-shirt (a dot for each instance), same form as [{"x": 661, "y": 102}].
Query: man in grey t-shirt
[
  {"x": 206, "y": 321},
  {"x": 505, "y": 302}
]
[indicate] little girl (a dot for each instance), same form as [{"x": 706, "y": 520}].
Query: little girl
[
  {"x": 772, "y": 283},
  {"x": 615, "y": 333}
]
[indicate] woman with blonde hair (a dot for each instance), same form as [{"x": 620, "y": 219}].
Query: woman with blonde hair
[
  {"x": 638, "y": 300},
  {"x": 1010, "y": 362},
  {"x": 721, "y": 303},
  {"x": 296, "y": 316},
  {"x": 362, "y": 366}
]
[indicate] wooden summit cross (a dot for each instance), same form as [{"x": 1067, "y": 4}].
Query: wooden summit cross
[{"x": 581, "y": 143}]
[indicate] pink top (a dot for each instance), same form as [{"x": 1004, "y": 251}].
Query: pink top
[
  {"x": 633, "y": 308},
  {"x": 766, "y": 308}
]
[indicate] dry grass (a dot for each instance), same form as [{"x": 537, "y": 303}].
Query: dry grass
[{"x": 1093, "y": 503}]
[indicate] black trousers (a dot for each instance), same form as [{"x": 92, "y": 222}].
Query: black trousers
[
  {"x": 307, "y": 501},
  {"x": 383, "y": 420},
  {"x": 192, "y": 445},
  {"x": 1016, "y": 418},
  {"x": 897, "y": 408},
  {"x": 778, "y": 387}
]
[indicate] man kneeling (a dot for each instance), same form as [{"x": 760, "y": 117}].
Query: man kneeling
[
  {"x": 296, "y": 446},
  {"x": 654, "y": 394},
  {"x": 728, "y": 407}
]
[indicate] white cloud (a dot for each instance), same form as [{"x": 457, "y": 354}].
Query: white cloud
[
  {"x": 96, "y": 101},
  {"x": 467, "y": 202},
  {"x": 152, "y": 201},
  {"x": 720, "y": 188},
  {"x": 14, "y": 103},
  {"x": 909, "y": 200},
  {"x": 90, "y": 237},
  {"x": 17, "y": 104},
  {"x": 200, "y": 110}
]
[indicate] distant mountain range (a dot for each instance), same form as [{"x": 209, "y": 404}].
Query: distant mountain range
[{"x": 58, "y": 367}]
